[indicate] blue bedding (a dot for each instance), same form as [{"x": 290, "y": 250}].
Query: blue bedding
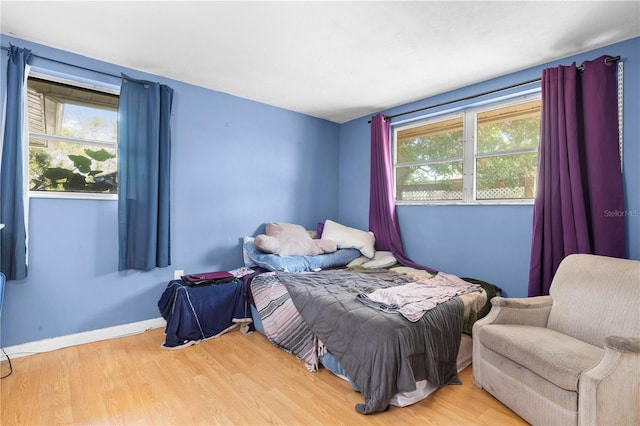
[{"x": 195, "y": 313}]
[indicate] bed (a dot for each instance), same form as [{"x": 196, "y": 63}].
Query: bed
[{"x": 321, "y": 312}]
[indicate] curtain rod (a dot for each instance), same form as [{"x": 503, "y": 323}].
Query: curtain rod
[
  {"x": 466, "y": 98},
  {"x": 68, "y": 64}
]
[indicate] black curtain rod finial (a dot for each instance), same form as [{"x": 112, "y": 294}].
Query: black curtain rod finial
[{"x": 608, "y": 61}]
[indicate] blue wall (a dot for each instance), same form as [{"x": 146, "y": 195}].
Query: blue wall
[
  {"x": 235, "y": 165},
  {"x": 486, "y": 242}
]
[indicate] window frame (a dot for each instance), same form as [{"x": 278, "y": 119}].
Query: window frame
[
  {"x": 69, "y": 194},
  {"x": 470, "y": 154}
]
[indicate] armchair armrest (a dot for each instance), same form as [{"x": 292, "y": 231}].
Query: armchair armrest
[
  {"x": 523, "y": 311},
  {"x": 523, "y": 302},
  {"x": 623, "y": 344},
  {"x": 608, "y": 392}
]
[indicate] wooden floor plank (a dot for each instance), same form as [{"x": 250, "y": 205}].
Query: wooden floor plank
[{"x": 236, "y": 379}]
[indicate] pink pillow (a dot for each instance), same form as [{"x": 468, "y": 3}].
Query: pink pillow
[{"x": 288, "y": 239}]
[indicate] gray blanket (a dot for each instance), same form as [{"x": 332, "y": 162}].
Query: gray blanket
[{"x": 383, "y": 353}]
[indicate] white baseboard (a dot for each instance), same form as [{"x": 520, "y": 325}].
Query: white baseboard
[{"x": 54, "y": 343}]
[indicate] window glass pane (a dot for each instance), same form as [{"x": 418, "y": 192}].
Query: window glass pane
[
  {"x": 72, "y": 138},
  {"x": 510, "y": 128},
  {"x": 89, "y": 123},
  {"x": 63, "y": 110},
  {"x": 434, "y": 141},
  {"x": 506, "y": 176},
  {"x": 442, "y": 181},
  {"x": 64, "y": 166}
]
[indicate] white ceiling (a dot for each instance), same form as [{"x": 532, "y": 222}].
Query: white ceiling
[{"x": 328, "y": 59}]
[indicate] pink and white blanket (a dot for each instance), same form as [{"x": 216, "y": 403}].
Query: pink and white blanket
[{"x": 412, "y": 300}]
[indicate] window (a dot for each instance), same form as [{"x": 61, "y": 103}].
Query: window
[
  {"x": 482, "y": 154},
  {"x": 72, "y": 139}
]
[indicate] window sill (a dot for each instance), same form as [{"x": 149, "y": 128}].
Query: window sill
[
  {"x": 73, "y": 195},
  {"x": 473, "y": 203}
]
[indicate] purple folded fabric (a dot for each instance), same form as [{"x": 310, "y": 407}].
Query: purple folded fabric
[{"x": 207, "y": 277}]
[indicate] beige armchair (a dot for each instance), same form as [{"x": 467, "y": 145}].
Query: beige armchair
[{"x": 572, "y": 357}]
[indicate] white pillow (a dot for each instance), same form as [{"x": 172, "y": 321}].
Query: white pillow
[
  {"x": 358, "y": 261},
  {"x": 346, "y": 237},
  {"x": 382, "y": 259}
]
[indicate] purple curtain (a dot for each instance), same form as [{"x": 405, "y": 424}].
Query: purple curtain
[
  {"x": 383, "y": 221},
  {"x": 579, "y": 205}
]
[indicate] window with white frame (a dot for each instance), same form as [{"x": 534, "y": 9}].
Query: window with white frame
[
  {"x": 482, "y": 154},
  {"x": 72, "y": 139}
]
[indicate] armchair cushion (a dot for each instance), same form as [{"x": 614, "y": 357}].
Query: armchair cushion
[{"x": 558, "y": 358}]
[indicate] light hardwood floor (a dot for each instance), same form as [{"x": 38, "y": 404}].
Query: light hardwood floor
[{"x": 233, "y": 380}]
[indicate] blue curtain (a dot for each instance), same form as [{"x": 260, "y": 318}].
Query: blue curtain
[
  {"x": 13, "y": 238},
  {"x": 144, "y": 152}
]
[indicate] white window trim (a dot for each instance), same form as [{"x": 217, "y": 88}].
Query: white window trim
[
  {"x": 82, "y": 84},
  {"x": 470, "y": 153},
  {"x": 63, "y": 194},
  {"x": 73, "y": 195}
]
